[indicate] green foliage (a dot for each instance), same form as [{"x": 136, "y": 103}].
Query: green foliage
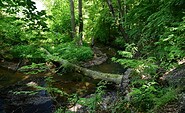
[
  {"x": 34, "y": 68},
  {"x": 27, "y": 51},
  {"x": 142, "y": 97},
  {"x": 156, "y": 27},
  {"x": 68, "y": 51},
  {"x": 94, "y": 102},
  {"x": 104, "y": 27},
  {"x": 125, "y": 54},
  {"x": 25, "y": 92},
  {"x": 156, "y": 30},
  {"x": 24, "y": 36},
  {"x": 119, "y": 42},
  {"x": 156, "y": 40},
  {"x": 92, "y": 10},
  {"x": 57, "y": 38},
  {"x": 60, "y": 22},
  {"x": 71, "y": 52},
  {"x": 25, "y": 10},
  {"x": 141, "y": 66},
  {"x": 100, "y": 24},
  {"x": 150, "y": 96},
  {"x": 10, "y": 33},
  {"x": 22, "y": 28},
  {"x": 170, "y": 47},
  {"x": 167, "y": 96}
]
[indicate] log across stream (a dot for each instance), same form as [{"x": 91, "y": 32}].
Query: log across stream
[
  {"x": 74, "y": 82},
  {"x": 116, "y": 78}
]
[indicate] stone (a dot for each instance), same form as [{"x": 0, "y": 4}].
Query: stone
[{"x": 176, "y": 77}]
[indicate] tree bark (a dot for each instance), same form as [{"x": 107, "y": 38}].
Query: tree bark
[
  {"x": 116, "y": 78},
  {"x": 125, "y": 9},
  {"x": 72, "y": 18},
  {"x": 120, "y": 9},
  {"x": 80, "y": 21}
]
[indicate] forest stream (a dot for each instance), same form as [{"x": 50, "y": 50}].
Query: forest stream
[{"x": 72, "y": 82}]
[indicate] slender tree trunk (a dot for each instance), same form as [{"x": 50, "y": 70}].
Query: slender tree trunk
[
  {"x": 121, "y": 28},
  {"x": 80, "y": 22},
  {"x": 125, "y": 9},
  {"x": 109, "y": 3},
  {"x": 120, "y": 9},
  {"x": 72, "y": 18}
]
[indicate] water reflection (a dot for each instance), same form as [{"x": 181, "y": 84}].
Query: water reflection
[{"x": 9, "y": 77}]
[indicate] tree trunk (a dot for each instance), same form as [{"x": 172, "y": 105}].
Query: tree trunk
[
  {"x": 125, "y": 9},
  {"x": 116, "y": 78},
  {"x": 120, "y": 9},
  {"x": 72, "y": 18},
  {"x": 120, "y": 27},
  {"x": 109, "y": 3},
  {"x": 80, "y": 22}
]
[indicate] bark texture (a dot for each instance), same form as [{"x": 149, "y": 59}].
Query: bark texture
[
  {"x": 80, "y": 21},
  {"x": 72, "y": 18}
]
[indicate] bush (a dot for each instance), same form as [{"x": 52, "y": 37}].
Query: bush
[
  {"x": 150, "y": 96},
  {"x": 71, "y": 52},
  {"x": 27, "y": 51}
]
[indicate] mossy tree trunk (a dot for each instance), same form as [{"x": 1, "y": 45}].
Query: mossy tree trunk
[{"x": 116, "y": 78}]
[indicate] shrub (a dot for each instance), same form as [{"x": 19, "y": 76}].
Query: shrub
[{"x": 71, "y": 52}]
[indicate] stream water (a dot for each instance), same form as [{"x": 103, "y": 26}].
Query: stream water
[{"x": 69, "y": 82}]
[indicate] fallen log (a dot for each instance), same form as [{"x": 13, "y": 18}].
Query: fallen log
[{"x": 116, "y": 78}]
